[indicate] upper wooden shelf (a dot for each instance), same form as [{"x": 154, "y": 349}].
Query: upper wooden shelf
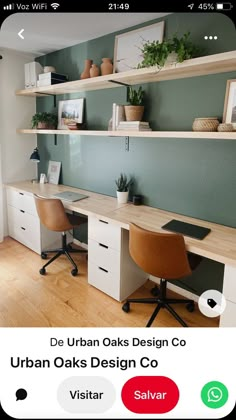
[
  {"x": 151, "y": 134},
  {"x": 211, "y": 64}
]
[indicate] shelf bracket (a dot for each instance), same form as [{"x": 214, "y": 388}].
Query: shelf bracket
[
  {"x": 119, "y": 83},
  {"x": 127, "y": 143},
  {"x": 49, "y": 94},
  {"x": 55, "y": 139}
]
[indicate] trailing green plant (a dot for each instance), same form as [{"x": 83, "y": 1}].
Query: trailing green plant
[
  {"x": 156, "y": 53},
  {"x": 44, "y": 117},
  {"x": 135, "y": 96},
  {"x": 123, "y": 183}
]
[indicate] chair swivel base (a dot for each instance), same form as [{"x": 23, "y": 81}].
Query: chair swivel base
[
  {"x": 64, "y": 250},
  {"x": 162, "y": 302}
]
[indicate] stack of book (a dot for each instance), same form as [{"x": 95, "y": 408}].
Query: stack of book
[
  {"x": 134, "y": 126},
  {"x": 47, "y": 79},
  {"x": 118, "y": 115}
]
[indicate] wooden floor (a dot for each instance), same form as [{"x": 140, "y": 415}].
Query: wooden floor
[{"x": 58, "y": 299}]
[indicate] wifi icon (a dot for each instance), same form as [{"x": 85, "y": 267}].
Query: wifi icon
[{"x": 55, "y": 5}]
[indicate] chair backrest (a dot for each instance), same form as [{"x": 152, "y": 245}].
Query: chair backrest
[
  {"x": 52, "y": 214},
  {"x": 161, "y": 254}
]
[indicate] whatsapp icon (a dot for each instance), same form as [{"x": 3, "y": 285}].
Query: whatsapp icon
[{"x": 214, "y": 394}]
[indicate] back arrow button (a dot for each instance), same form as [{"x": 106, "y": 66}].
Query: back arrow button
[{"x": 20, "y": 34}]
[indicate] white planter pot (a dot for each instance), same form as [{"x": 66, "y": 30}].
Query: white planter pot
[{"x": 122, "y": 196}]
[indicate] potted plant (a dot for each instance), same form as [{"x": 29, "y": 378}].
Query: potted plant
[
  {"x": 134, "y": 111},
  {"x": 44, "y": 120},
  {"x": 158, "y": 53},
  {"x": 123, "y": 185}
]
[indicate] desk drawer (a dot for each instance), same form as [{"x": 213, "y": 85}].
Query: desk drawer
[
  {"x": 104, "y": 256},
  {"x": 228, "y": 318},
  {"x": 103, "y": 232},
  {"x": 22, "y": 201},
  {"x": 25, "y": 228},
  {"x": 104, "y": 280},
  {"x": 229, "y": 284}
]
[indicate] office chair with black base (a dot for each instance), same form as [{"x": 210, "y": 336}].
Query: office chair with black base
[
  {"x": 52, "y": 215},
  {"x": 162, "y": 255}
]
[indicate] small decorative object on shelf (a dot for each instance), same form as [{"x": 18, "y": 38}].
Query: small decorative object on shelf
[
  {"x": 48, "y": 69},
  {"x": 225, "y": 127},
  {"x": 156, "y": 53},
  {"x": 94, "y": 71},
  {"x": 134, "y": 111},
  {"x": 87, "y": 65},
  {"x": 106, "y": 66},
  {"x": 123, "y": 185},
  {"x": 205, "y": 124},
  {"x": 44, "y": 120}
]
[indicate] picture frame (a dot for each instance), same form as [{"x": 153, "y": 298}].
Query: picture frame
[
  {"x": 53, "y": 174},
  {"x": 127, "y": 48},
  {"x": 70, "y": 113},
  {"x": 229, "y": 114}
]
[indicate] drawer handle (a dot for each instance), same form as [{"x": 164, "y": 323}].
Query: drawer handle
[
  {"x": 23, "y": 228},
  {"x": 21, "y": 193},
  {"x": 103, "y": 269},
  {"x": 22, "y": 211},
  {"x": 103, "y": 246},
  {"x": 103, "y": 221}
]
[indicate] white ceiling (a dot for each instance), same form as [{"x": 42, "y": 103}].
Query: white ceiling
[{"x": 46, "y": 32}]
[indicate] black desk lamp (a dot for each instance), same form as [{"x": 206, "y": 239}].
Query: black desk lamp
[
  {"x": 35, "y": 155},
  {"x": 35, "y": 158}
]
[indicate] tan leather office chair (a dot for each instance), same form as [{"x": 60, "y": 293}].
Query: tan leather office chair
[
  {"x": 163, "y": 255},
  {"x": 52, "y": 215}
]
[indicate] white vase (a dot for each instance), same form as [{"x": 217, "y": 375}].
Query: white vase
[{"x": 122, "y": 196}]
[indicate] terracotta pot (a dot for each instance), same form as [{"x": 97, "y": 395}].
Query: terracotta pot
[
  {"x": 86, "y": 73},
  {"x": 42, "y": 126},
  {"x": 134, "y": 113},
  {"x": 106, "y": 66},
  {"x": 94, "y": 70}
]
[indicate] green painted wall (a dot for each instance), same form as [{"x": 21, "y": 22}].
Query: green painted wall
[{"x": 195, "y": 177}]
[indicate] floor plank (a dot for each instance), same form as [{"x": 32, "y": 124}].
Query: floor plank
[{"x": 58, "y": 299}]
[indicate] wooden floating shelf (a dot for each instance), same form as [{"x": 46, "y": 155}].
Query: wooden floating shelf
[
  {"x": 151, "y": 134},
  {"x": 211, "y": 64}
]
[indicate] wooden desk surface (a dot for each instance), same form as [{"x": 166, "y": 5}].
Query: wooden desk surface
[{"x": 218, "y": 245}]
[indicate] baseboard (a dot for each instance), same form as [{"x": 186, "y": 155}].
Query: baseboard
[
  {"x": 81, "y": 244},
  {"x": 177, "y": 289}
]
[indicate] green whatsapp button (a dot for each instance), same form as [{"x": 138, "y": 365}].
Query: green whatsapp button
[{"x": 214, "y": 394}]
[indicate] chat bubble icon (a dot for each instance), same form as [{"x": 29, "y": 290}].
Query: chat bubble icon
[
  {"x": 21, "y": 394},
  {"x": 214, "y": 394}
]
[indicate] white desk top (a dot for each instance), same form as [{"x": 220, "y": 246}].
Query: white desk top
[{"x": 218, "y": 245}]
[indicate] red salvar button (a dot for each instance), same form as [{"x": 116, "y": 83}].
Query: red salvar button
[{"x": 150, "y": 394}]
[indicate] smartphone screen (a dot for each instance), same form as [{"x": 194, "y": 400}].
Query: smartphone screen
[{"x": 103, "y": 312}]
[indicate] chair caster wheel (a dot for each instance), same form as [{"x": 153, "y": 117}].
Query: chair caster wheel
[
  {"x": 42, "y": 271},
  {"x": 74, "y": 272},
  {"x": 126, "y": 307},
  {"x": 155, "y": 291},
  {"x": 190, "y": 307},
  {"x": 43, "y": 255}
]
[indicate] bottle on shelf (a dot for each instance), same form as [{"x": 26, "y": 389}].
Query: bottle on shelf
[
  {"x": 94, "y": 71},
  {"x": 86, "y": 72},
  {"x": 106, "y": 66}
]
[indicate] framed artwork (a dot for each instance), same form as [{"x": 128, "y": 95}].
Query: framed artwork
[
  {"x": 70, "y": 113},
  {"x": 229, "y": 115},
  {"x": 127, "y": 50},
  {"x": 53, "y": 174}
]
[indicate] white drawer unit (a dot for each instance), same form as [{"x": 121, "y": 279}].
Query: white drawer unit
[
  {"x": 228, "y": 318},
  {"x": 110, "y": 267},
  {"x": 24, "y": 224}
]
